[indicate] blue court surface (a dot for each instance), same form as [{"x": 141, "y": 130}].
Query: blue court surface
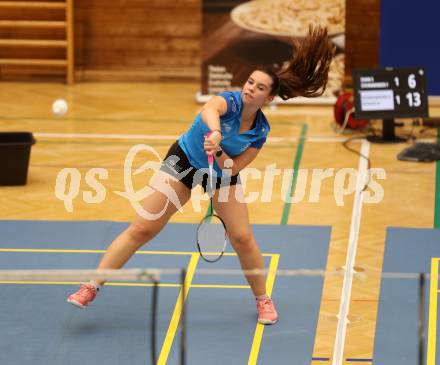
[
  {"x": 39, "y": 327},
  {"x": 407, "y": 251}
]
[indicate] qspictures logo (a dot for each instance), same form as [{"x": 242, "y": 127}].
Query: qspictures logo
[{"x": 295, "y": 187}]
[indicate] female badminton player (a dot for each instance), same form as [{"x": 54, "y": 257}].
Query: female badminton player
[{"x": 231, "y": 126}]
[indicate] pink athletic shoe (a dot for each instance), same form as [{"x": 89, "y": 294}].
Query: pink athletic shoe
[
  {"x": 267, "y": 313},
  {"x": 84, "y": 296}
]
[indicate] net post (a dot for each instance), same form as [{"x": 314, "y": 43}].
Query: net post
[
  {"x": 421, "y": 324},
  {"x": 183, "y": 319},
  {"x": 154, "y": 313}
]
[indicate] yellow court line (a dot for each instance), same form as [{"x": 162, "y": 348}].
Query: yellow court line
[
  {"x": 174, "y": 323},
  {"x": 78, "y": 283},
  {"x": 195, "y": 286},
  {"x": 259, "y": 329},
  {"x": 44, "y": 250},
  {"x": 267, "y": 254},
  {"x": 432, "y": 321},
  {"x": 219, "y": 286}
]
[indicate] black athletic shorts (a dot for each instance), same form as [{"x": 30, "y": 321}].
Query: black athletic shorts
[{"x": 177, "y": 165}]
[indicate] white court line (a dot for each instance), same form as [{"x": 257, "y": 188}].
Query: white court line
[
  {"x": 164, "y": 137},
  {"x": 106, "y": 136},
  {"x": 344, "y": 306}
]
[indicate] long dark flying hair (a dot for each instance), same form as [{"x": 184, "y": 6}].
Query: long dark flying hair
[{"x": 306, "y": 73}]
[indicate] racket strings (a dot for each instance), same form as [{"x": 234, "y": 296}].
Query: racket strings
[{"x": 211, "y": 238}]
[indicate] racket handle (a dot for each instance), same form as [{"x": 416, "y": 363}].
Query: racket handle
[
  {"x": 211, "y": 167},
  {"x": 210, "y": 157}
]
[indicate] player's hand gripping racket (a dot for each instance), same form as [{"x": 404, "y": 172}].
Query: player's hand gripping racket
[{"x": 211, "y": 232}]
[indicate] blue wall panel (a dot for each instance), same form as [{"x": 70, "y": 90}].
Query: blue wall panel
[{"x": 410, "y": 32}]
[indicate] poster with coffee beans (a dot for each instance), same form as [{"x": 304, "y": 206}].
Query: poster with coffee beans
[{"x": 239, "y": 36}]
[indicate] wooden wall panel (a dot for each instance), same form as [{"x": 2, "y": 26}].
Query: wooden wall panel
[
  {"x": 153, "y": 39},
  {"x": 31, "y": 14},
  {"x": 32, "y": 33},
  {"x": 362, "y": 35}
]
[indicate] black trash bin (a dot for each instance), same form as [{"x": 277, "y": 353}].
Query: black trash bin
[{"x": 15, "y": 151}]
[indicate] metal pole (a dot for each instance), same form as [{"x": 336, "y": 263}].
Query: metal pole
[
  {"x": 421, "y": 329},
  {"x": 154, "y": 314},
  {"x": 183, "y": 320}
]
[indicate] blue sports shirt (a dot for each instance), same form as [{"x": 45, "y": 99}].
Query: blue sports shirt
[{"x": 232, "y": 142}]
